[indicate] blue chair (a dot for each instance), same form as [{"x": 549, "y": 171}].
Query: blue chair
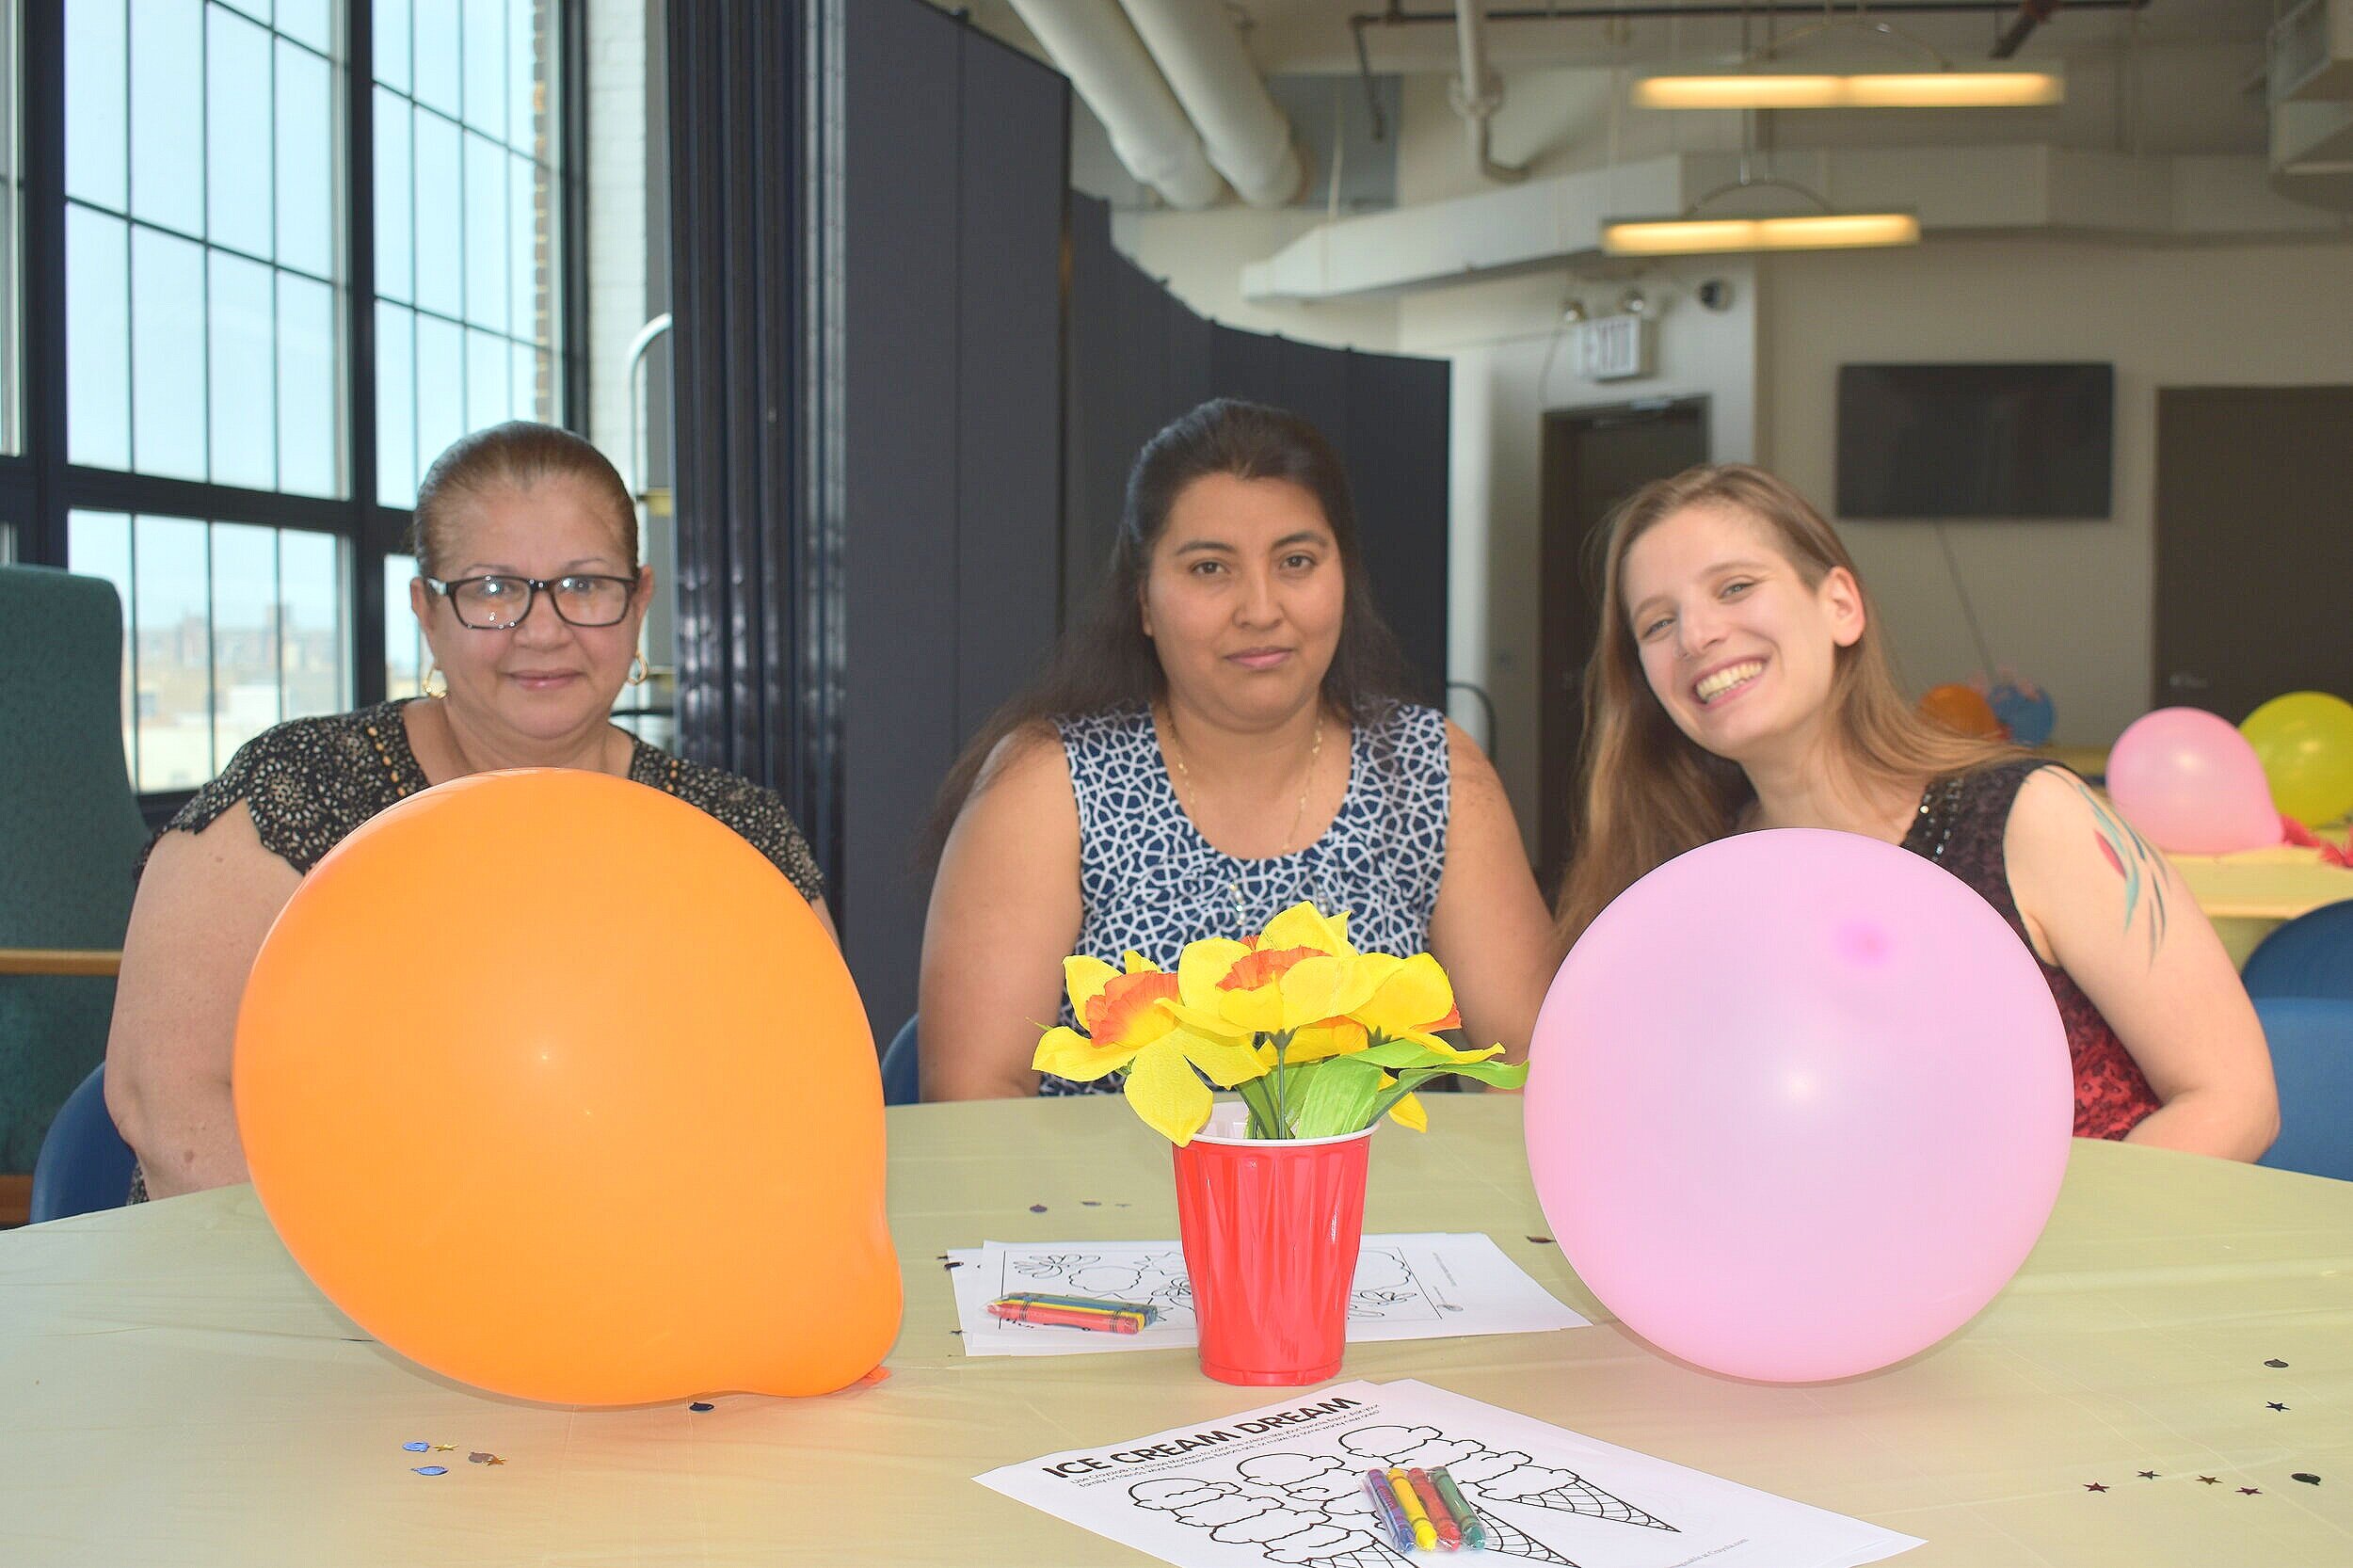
[
  {"x": 902, "y": 1069},
  {"x": 85, "y": 1166},
  {"x": 2311, "y": 955},
  {"x": 2312, "y": 1055}
]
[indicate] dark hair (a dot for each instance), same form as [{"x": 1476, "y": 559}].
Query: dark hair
[
  {"x": 515, "y": 455},
  {"x": 1105, "y": 661}
]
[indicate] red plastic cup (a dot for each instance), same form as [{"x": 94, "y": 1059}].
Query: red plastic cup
[{"x": 1272, "y": 1228}]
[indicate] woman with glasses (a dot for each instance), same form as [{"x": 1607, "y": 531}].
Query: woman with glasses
[{"x": 530, "y": 598}]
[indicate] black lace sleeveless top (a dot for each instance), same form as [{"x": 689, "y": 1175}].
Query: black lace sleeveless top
[
  {"x": 1960, "y": 826},
  {"x": 310, "y": 782}
]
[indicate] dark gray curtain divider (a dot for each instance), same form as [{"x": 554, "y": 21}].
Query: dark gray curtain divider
[{"x": 868, "y": 203}]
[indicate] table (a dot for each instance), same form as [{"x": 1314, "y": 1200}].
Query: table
[
  {"x": 2247, "y": 894},
  {"x": 177, "y": 1393}
]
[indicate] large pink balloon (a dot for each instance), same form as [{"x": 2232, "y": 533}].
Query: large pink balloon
[
  {"x": 2191, "y": 782},
  {"x": 1799, "y": 1105}
]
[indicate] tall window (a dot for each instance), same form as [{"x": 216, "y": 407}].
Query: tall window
[
  {"x": 303, "y": 245},
  {"x": 464, "y": 189}
]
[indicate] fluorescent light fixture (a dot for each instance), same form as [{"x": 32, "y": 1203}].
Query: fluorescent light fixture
[
  {"x": 1895, "y": 90},
  {"x": 1700, "y": 236}
]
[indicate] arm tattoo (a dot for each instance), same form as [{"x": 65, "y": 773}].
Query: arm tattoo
[{"x": 2134, "y": 859}]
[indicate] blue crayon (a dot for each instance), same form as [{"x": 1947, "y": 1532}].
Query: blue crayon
[{"x": 1392, "y": 1516}]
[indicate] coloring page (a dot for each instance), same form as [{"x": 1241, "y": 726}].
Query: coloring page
[
  {"x": 1430, "y": 1287},
  {"x": 1284, "y": 1486}
]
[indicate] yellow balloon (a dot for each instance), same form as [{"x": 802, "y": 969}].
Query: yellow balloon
[{"x": 2305, "y": 740}]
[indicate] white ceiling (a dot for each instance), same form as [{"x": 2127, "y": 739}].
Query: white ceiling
[{"x": 1313, "y": 35}]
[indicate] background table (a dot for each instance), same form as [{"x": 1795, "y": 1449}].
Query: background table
[
  {"x": 2248, "y": 895},
  {"x": 176, "y": 1393}
]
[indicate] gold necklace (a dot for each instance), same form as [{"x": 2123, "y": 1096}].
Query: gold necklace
[{"x": 1193, "y": 795}]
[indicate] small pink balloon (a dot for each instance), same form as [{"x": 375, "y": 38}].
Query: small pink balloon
[
  {"x": 1800, "y": 1106},
  {"x": 2190, "y": 781}
]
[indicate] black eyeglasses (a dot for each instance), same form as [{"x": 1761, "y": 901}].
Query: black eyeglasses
[{"x": 496, "y": 604}]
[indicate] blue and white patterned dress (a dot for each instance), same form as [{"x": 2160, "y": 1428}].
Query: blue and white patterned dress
[{"x": 1152, "y": 883}]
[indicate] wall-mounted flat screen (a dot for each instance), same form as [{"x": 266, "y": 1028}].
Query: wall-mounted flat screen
[{"x": 1975, "y": 440}]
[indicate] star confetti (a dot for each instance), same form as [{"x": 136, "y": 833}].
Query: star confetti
[
  {"x": 2208, "y": 1480},
  {"x": 2148, "y": 1475},
  {"x": 2250, "y": 1491},
  {"x": 2277, "y": 1405},
  {"x": 2094, "y": 1486},
  {"x": 430, "y": 1469},
  {"x": 480, "y": 1458}
]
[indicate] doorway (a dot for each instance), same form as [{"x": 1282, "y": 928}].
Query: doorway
[
  {"x": 1592, "y": 460},
  {"x": 2254, "y": 546}
]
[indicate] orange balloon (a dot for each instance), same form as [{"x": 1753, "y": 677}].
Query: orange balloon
[
  {"x": 555, "y": 1085},
  {"x": 1963, "y": 708}
]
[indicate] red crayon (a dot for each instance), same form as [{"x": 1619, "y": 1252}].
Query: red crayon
[{"x": 1441, "y": 1516}]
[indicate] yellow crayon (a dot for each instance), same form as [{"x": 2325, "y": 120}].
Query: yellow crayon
[{"x": 1425, "y": 1533}]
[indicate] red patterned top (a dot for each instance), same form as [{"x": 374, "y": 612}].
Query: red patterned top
[{"x": 1960, "y": 826}]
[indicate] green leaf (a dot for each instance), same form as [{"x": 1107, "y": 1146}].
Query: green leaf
[
  {"x": 1340, "y": 1099},
  {"x": 1258, "y": 1093},
  {"x": 1407, "y": 1081},
  {"x": 1503, "y": 1075},
  {"x": 1297, "y": 1078}
]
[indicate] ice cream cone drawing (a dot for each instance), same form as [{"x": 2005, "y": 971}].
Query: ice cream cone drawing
[
  {"x": 1293, "y": 1536},
  {"x": 1486, "y": 1476}
]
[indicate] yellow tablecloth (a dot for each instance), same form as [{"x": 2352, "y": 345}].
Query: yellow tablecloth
[{"x": 177, "y": 1394}]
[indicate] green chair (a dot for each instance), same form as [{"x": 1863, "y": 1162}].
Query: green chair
[{"x": 69, "y": 835}]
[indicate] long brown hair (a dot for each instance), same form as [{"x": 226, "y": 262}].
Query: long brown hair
[
  {"x": 1649, "y": 792},
  {"x": 1105, "y": 661}
]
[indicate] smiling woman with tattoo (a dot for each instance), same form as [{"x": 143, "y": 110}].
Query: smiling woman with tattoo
[{"x": 1740, "y": 681}]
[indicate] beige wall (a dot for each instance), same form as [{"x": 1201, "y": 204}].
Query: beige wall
[{"x": 2066, "y": 603}]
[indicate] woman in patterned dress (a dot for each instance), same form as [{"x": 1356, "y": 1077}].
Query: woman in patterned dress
[
  {"x": 530, "y": 596},
  {"x": 1225, "y": 736},
  {"x": 1740, "y": 681}
]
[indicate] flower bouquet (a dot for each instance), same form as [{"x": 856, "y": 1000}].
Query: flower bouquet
[{"x": 1319, "y": 1042}]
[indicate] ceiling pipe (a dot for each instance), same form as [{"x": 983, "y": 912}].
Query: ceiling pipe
[
  {"x": 1246, "y": 136},
  {"x": 1091, "y": 43},
  {"x": 2031, "y": 14},
  {"x": 1479, "y": 94}
]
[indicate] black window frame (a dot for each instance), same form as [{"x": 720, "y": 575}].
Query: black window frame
[{"x": 38, "y": 487}]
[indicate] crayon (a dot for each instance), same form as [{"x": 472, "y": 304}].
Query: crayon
[
  {"x": 1392, "y": 1516},
  {"x": 1465, "y": 1517},
  {"x": 1097, "y": 1303},
  {"x": 1441, "y": 1517},
  {"x": 1425, "y": 1534},
  {"x": 1067, "y": 1317}
]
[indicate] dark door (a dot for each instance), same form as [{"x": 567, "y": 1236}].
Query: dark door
[
  {"x": 2254, "y": 547},
  {"x": 1594, "y": 458}
]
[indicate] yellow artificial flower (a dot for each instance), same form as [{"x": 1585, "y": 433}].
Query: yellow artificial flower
[
  {"x": 1296, "y": 975},
  {"x": 1130, "y": 1025}
]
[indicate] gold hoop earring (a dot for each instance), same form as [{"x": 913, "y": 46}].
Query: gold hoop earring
[
  {"x": 638, "y": 670},
  {"x": 426, "y": 686}
]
